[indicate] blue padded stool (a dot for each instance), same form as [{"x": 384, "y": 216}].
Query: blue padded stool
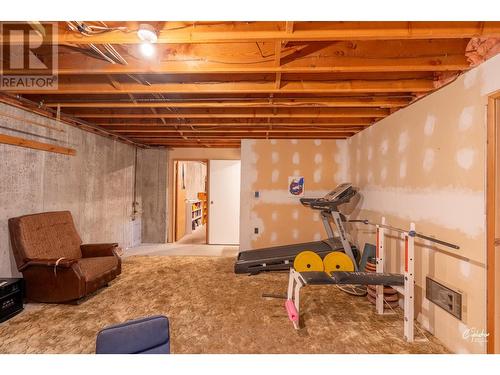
[{"x": 141, "y": 336}]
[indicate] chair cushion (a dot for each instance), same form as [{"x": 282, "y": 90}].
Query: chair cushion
[
  {"x": 141, "y": 336},
  {"x": 48, "y": 235},
  {"x": 94, "y": 268}
]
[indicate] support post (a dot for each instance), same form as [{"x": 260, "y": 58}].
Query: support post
[
  {"x": 343, "y": 238},
  {"x": 409, "y": 300},
  {"x": 326, "y": 224},
  {"x": 380, "y": 266}
]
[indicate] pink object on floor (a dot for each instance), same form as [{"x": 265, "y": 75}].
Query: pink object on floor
[{"x": 293, "y": 315}]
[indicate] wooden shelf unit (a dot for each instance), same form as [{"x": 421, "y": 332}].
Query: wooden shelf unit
[
  {"x": 202, "y": 196},
  {"x": 194, "y": 215}
]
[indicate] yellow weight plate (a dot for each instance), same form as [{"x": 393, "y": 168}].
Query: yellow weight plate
[
  {"x": 337, "y": 261},
  {"x": 307, "y": 261}
]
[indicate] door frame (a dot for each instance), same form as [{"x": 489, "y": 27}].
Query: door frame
[
  {"x": 173, "y": 214},
  {"x": 491, "y": 164}
]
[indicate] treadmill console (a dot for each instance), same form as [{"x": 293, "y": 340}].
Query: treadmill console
[{"x": 341, "y": 194}]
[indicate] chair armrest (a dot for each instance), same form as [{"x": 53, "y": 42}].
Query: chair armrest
[
  {"x": 63, "y": 263},
  {"x": 98, "y": 250}
]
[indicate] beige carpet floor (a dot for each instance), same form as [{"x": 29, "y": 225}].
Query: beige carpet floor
[{"x": 212, "y": 310}]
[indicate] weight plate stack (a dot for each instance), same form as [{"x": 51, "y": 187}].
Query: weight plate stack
[{"x": 391, "y": 296}]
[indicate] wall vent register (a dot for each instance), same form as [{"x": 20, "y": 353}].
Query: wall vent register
[{"x": 446, "y": 298}]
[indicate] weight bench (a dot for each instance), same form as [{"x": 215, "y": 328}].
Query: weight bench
[{"x": 297, "y": 280}]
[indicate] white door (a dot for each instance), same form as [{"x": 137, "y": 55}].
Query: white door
[{"x": 224, "y": 201}]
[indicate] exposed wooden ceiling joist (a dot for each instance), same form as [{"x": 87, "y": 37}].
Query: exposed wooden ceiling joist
[
  {"x": 263, "y": 113},
  {"x": 319, "y": 87},
  {"x": 269, "y": 103},
  {"x": 362, "y": 121},
  {"x": 211, "y": 84},
  {"x": 353, "y": 65},
  {"x": 232, "y": 32},
  {"x": 261, "y": 58}
]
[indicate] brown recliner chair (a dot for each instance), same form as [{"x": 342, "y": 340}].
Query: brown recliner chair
[{"x": 55, "y": 265}]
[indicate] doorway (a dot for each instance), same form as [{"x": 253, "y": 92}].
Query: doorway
[
  {"x": 493, "y": 224},
  {"x": 190, "y": 201}
]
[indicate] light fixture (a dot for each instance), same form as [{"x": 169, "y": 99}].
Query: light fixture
[
  {"x": 147, "y": 49},
  {"x": 147, "y": 33}
]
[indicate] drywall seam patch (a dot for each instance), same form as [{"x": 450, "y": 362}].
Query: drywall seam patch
[
  {"x": 466, "y": 118},
  {"x": 275, "y": 175},
  {"x": 430, "y": 124},
  {"x": 384, "y": 146},
  {"x": 428, "y": 159},
  {"x": 465, "y": 157},
  {"x": 402, "y": 168},
  {"x": 275, "y": 156},
  {"x": 403, "y": 141}
]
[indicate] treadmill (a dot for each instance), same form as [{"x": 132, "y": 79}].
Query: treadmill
[{"x": 280, "y": 258}]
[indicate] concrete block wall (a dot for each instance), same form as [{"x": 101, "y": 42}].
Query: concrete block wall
[
  {"x": 152, "y": 171},
  {"x": 96, "y": 185}
]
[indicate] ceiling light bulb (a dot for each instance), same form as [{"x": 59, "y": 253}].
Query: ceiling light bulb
[
  {"x": 147, "y": 49},
  {"x": 147, "y": 33}
]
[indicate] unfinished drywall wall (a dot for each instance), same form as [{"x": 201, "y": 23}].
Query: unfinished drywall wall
[
  {"x": 152, "y": 194},
  {"x": 192, "y": 154},
  {"x": 426, "y": 164},
  {"x": 279, "y": 217},
  {"x": 95, "y": 185}
]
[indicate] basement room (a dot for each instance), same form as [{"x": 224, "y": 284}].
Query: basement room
[{"x": 276, "y": 186}]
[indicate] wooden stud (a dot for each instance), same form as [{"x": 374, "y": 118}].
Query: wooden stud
[
  {"x": 22, "y": 142},
  {"x": 491, "y": 197}
]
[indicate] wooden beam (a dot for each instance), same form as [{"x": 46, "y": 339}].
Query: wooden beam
[
  {"x": 231, "y": 32},
  {"x": 356, "y": 121},
  {"x": 216, "y": 137},
  {"x": 311, "y": 57},
  {"x": 194, "y": 145},
  {"x": 224, "y": 129},
  {"x": 320, "y": 113},
  {"x": 86, "y": 66},
  {"x": 22, "y": 142},
  {"x": 277, "y": 63},
  {"x": 236, "y": 131},
  {"x": 264, "y": 87},
  {"x": 284, "y": 103}
]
